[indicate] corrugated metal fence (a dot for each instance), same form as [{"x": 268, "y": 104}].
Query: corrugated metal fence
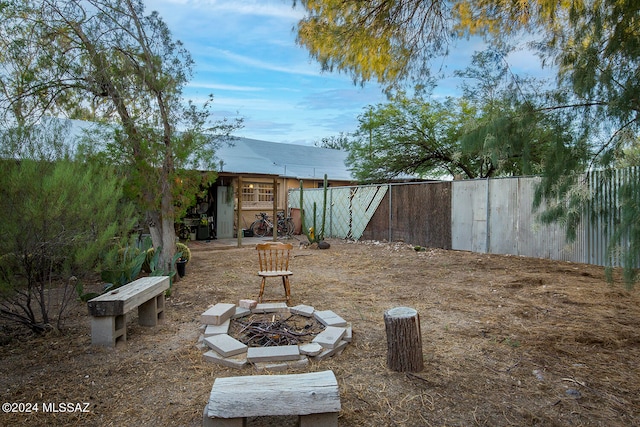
[{"x": 486, "y": 216}]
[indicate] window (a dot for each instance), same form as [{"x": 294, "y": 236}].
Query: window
[{"x": 257, "y": 194}]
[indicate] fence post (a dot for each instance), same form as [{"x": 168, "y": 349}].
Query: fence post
[{"x": 390, "y": 219}]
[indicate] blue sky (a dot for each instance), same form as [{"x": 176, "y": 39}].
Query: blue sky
[{"x": 246, "y": 56}]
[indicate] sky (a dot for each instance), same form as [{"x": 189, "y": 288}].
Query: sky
[{"x": 246, "y": 56}]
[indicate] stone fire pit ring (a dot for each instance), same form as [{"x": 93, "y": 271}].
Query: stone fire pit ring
[{"x": 225, "y": 349}]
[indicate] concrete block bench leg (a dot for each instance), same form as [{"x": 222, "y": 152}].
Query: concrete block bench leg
[
  {"x": 151, "y": 312},
  {"x": 221, "y": 422},
  {"x": 108, "y": 330},
  {"x": 328, "y": 419}
]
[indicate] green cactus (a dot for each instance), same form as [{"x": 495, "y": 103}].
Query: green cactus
[{"x": 313, "y": 234}]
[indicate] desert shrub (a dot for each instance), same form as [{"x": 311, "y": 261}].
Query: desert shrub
[
  {"x": 181, "y": 248},
  {"x": 57, "y": 217}
]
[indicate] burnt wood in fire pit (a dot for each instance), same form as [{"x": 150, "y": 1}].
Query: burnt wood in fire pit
[{"x": 269, "y": 330}]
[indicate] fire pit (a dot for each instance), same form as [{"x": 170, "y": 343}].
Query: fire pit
[
  {"x": 264, "y": 330},
  {"x": 271, "y": 336}
]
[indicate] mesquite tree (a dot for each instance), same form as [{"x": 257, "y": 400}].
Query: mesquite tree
[
  {"x": 105, "y": 60},
  {"x": 593, "y": 110}
]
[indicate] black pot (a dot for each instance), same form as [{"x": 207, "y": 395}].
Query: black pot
[{"x": 181, "y": 266}]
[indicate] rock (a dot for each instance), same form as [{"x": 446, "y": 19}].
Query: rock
[
  {"x": 538, "y": 374},
  {"x": 323, "y": 245},
  {"x": 572, "y": 392}
]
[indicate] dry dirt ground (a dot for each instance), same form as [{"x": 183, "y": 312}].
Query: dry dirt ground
[{"x": 507, "y": 341}]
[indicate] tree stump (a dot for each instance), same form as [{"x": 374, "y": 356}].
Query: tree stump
[{"x": 404, "y": 340}]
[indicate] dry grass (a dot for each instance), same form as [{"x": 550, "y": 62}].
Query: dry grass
[{"x": 506, "y": 341}]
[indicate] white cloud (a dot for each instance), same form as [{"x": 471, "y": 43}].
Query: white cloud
[
  {"x": 343, "y": 98},
  {"x": 215, "y": 86},
  {"x": 282, "y": 9},
  {"x": 267, "y": 8},
  {"x": 248, "y": 61}
]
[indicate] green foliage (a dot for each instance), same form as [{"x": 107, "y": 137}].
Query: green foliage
[
  {"x": 58, "y": 215},
  {"x": 128, "y": 260},
  {"x": 588, "y": 122},
  {"x": 617, "y": 203},
  {"x": 184, "y": 251},
  {"x": 125, "y": 265},
  {"x": 431, "y": 139},
  {"x": 594, "y": 44},
  {"x": 408, "y": 136},
  {"x": 84, "y": 296},
  {"x": 107, "y": 61},
  {"x": 508, "y": 130},
  {"x": 374, "y": 39},
  {"x": 314, "y": 235},
  {"x": 494, "y": 130},
  {"x": 630, "y": 154},
  {"x": 157, "y": 270}
]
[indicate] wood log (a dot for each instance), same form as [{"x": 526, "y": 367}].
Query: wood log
[
  {"x": 274, "y": 395},
  {"x": 404, "y": 339},
  {"x": 127, "y": 297}
]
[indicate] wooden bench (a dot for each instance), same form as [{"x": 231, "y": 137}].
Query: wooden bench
[
  {"x": 108, "y": 311},
  {"x": 313, "y": 397}
]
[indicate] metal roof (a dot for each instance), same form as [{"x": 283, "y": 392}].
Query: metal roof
[{"x": 252, "y": 156}]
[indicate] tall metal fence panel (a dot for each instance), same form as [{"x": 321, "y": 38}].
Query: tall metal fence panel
[
  {"x": 606, "y": 212},
  {"x": 496, "y": 216},
  {"x": 469, "y": 215},
  {"x": 531, "y": 237},
  {"x": 486, "y": 216}
]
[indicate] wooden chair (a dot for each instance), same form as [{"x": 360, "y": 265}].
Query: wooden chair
[{"x": 274, "y": 262}]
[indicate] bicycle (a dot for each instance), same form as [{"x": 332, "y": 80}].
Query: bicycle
[
  {"x": 263, "y": 225},
  {"x": 285, "y": 224}
]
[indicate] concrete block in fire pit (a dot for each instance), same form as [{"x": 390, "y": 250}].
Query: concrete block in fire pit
[
  {"x": 217, "y": 329},
  {"x": 303, "y": 310},
  {"x": 348, "y": 336},
  {"x": 237, "y": 361},
  {"x": 241, "y": 312},
  {"x": 248, "y": 303},
  {"x": 225, "y": 345},
  {"x": 283, "y": 365},
  {"x": 329, "y": 318},
  {"x": 218, "y": 314},
  {"x": 271, "y": 354},
  {"x": 331, "y": 351},
  {"x": 330, "y": 336},
  {"x": 270, "y": 307},
  {"x": 311, "y": 349}
]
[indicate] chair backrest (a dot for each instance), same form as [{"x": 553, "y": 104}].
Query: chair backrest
[{"x": 274, "y": 256}]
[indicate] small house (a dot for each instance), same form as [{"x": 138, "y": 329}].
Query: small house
[{"x": 255, "y": 177}]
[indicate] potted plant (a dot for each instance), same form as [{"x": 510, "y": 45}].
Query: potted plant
[{"x": 183, "y": 259}]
